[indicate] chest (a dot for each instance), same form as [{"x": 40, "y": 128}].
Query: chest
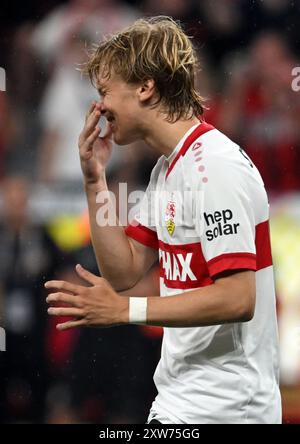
[{"x": 177, "y": 208}]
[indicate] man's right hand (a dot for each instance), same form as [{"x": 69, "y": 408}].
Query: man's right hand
[{"x": 94, "y": 151}]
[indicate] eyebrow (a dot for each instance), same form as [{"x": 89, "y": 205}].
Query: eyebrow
[{"x": 101, "y": 88}]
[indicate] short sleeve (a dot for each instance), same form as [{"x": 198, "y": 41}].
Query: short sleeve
[{"x": 227, "y": 225}]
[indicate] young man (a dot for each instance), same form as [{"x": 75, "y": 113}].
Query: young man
[{"x": 219, "y": 361}]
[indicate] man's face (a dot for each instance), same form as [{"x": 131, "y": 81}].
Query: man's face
[{"x": 120, "y": 105}]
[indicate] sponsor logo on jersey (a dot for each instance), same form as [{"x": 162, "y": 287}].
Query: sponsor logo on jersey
[
  {"x": 170, "y": 216},
  {"x": 177, "y": 266},
  {"x": 221, "y": 224}
]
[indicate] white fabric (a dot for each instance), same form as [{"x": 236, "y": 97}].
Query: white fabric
[
  {"x": 67, "y": 99},
  {"x": 222, "y": 373},
  {"x": 137, "y": 310}
]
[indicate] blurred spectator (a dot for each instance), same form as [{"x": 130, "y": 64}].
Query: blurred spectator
[
  {"x": 25, "y": 83},
  {"x": 52, "y": 35},
  {"x": 178, "y": 9},
  {"x": 280, "y": 15},
  {"x": 62, "y": 110},
  {"x": 28, "y": 257},
  {"x": 66, "y": 101},
  {"x": 6, "y": 129},
  {"x": 260, "y": 111},
  {"x": 67, "y": 98}
]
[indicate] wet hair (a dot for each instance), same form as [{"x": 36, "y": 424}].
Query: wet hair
[{"x": 155, "y": 48}]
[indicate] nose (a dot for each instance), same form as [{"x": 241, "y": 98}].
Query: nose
[{"x": 101, "y": 107}]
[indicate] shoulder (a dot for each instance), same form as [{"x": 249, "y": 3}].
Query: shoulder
[
  {"x": 216, "y": 159},
  {"x": 212, "y": 146}
]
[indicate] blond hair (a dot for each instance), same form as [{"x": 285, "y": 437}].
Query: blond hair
[{"x": 156, "y": 48}]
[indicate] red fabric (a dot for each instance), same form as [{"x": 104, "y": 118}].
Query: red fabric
[
  {"x": 152, "y": 331},
  {"x": 202, "y": 270},
  {"x": 263, "y": 245},
  {"x": 143, "y": 235},
  {"x": 59, "y": 344},
  {"x": 198, "y": 265},
  {"x": 231, "y": 261}
]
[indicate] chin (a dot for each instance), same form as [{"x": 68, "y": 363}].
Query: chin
[
  {"x": 119, "y": 140},
  {"x": 123, "y": 140}
]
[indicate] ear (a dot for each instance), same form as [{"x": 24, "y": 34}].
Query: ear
[{"x": 146, "y": 90}]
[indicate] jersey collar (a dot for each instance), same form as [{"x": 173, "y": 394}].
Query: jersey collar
[{"x": 183, "y": 145}]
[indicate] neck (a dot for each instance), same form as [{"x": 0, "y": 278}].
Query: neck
[{"x": 163, "y": 136}]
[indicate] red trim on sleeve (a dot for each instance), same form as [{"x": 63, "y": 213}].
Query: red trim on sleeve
[
  {"x": 143, "y": 235},
  {"x": 263, "y": 245},
  {"x": 231, "y": 261},
  {"x": 202, "y": 128},
  {"x": 234, "y": 261}
]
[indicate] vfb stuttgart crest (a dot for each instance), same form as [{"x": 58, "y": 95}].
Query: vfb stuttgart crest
[{"x": 170, "y": 216}]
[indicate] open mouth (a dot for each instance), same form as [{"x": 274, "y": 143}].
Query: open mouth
[{"x": 111, "y": 121}]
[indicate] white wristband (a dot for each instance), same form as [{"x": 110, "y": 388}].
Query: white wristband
[{"x": 137, "y": 310}]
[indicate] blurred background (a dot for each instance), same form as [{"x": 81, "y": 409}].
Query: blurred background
[{"x": 247, "y": 50}]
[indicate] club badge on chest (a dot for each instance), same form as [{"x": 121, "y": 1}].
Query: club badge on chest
[{"x": 170, "y": 216}]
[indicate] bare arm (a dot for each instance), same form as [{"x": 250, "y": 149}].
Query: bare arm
[
  {"x": 122, "y": 261},
  {"x": 231, "y": 298}
]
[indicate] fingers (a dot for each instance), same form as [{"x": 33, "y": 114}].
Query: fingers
[
  {"x": 88, "y": 144},
  {"x": 71, "y": 324},
  {"x": 63, "y": 285},
  {"x": 66, "y": 311},
  {"x": 75, "y": 311},
  {"x": 91, "y": 109},
  {"x": 94, "y": 106},
  {"x": 74, "y": 301},
  {"x": 87, "y": 275},
  {"x": 91, "y": 123}
]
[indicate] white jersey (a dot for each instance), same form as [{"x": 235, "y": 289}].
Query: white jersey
[{"x": 222, "y": 373}]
